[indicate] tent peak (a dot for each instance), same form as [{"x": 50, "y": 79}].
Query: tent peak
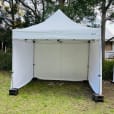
[
  {"x": 59, "y": 11},
  {"x": 58, "y": 16}
]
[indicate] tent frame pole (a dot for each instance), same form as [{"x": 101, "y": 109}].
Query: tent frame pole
[
  {"x": 88, "y": 58},
  {"x": 34, "y": 78},
  {"x": 12, "y": 67},
  {"x": 33, "y": 57}
]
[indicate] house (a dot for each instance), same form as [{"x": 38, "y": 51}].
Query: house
[{"x": 109, "y": 48}]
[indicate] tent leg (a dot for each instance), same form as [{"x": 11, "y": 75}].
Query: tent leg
[
  {"x": 13, "y": 91},
  {"x": 97, "y": 97},
  {"x": 34, "y": 79}
]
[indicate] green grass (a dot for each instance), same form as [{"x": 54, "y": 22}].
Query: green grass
[{"x": 41, "y": 98}]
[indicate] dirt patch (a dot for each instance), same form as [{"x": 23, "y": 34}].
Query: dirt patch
[{"x": 108, "y": 90}]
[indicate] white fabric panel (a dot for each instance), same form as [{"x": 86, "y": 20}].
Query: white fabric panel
[
  {"x": 22, "y": 65},
  {"x": 47, "y": 60},
  {"x": 95, "y": 67},
  {"x": 74, "y": 60},
  {"x": 61, "y": 61},
  {"x": 57, "y": 26}
]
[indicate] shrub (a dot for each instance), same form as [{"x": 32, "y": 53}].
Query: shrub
[
  {"x": 5, "y": 61},
  {"x": 108, "y": 69}
]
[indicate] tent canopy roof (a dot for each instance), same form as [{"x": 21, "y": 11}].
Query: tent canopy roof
[{"x": 57, "y": 26}]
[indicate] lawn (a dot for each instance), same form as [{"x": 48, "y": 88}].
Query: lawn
[{"x": 47, "y": 97}]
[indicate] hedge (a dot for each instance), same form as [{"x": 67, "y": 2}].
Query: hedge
[
  {"x": 5, "y": 61},
  {"x": 108, "y": 69}
]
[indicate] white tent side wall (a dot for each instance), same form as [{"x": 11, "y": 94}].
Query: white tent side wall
[
  {"x": 95, "y": 67},
  {"x": 22, "y": 63},
  {"x": 65, "y": 60}
]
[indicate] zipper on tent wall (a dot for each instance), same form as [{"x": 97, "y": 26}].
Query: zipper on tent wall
[
  {"x": 88, "y": 58},
  {"x": 33, "y": 57}
]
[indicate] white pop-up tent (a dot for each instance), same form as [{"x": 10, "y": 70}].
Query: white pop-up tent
[{"x": 57, "y": 49}]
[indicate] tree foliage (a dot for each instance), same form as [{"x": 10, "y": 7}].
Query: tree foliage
[
  {"x": 36, "y": 11},
  {"x": 9, "y": 13},
  {"x": 105, "y": 5},
  {"x": 78, "y": 9},
  {"x": 5, "y": 39}
]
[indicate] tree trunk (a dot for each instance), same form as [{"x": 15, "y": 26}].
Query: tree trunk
[
  {"x": 103, "y": 23},
  {"x": 12, "y": 14},
  {"x": 61, "y": 2},
  {"x": 103, "y": 27}
]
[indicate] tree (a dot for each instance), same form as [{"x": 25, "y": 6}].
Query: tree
[
  {"x": 36, "y": 10},
  {"x": 78, "y": 9},
  {"x": 9, "y": 12},
  {"x": 5, "y": 39},
  {"x": 105, "y": 5},
  {"x": 61, "y": 3}
]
